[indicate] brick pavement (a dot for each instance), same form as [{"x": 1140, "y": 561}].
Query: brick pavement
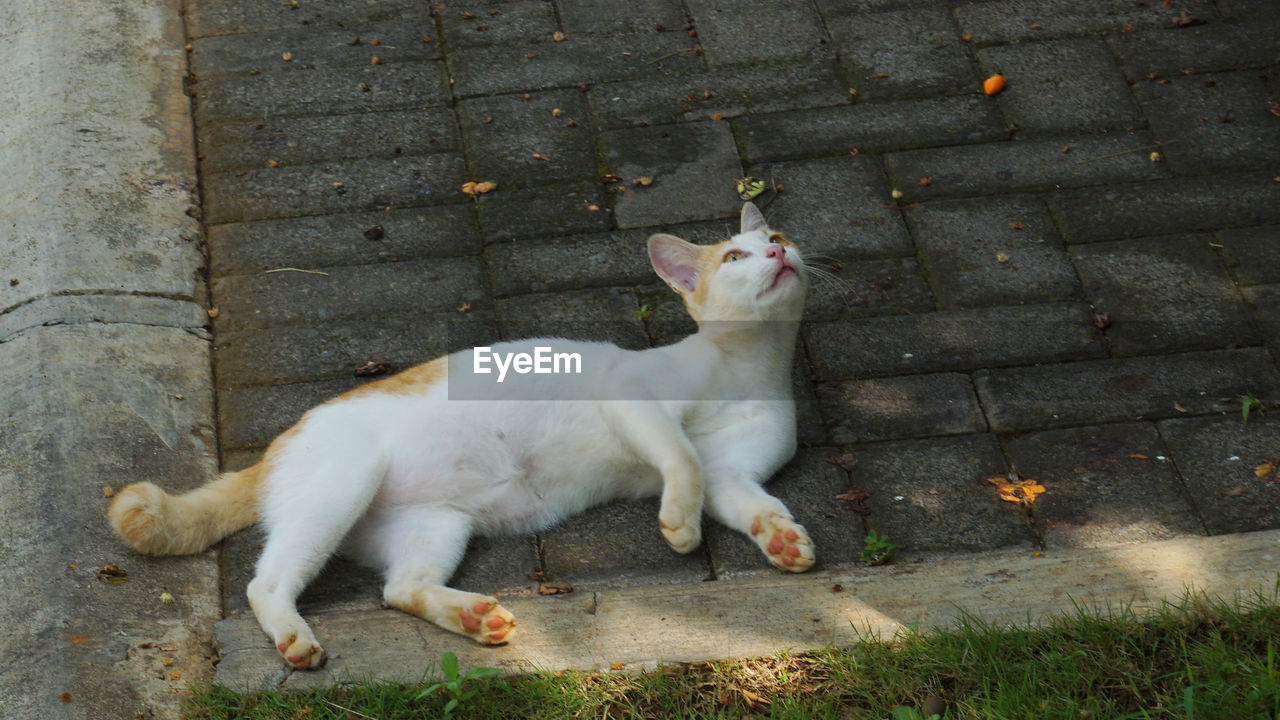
[{"x": 1130, "y": 168}]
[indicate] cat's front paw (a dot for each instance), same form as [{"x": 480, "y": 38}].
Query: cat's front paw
[
  {"x": 487, "y": 622},
  {"x": 784, "y": 542},
  {"x": 682, "y": 535},
  {"x": 301, "y": 651}
]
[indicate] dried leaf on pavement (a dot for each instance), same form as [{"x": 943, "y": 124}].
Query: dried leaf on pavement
[
  {"x": 554, "y": 588},
  {"x": 371, "y": 368},
  {"x": 1268, "y": 471},
  {"x": 1012, "y": 489}
]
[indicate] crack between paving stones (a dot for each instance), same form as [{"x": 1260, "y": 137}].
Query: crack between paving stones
[
  {"x": 1184, "y": 489},
  {"x": 197, "y": 331},
  {"x": 1033, "y": 525},
  {"x": 103, "y": 292}
]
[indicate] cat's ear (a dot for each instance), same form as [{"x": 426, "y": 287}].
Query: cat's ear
[
  {"x": 752, "y": 219},
  {"x": 675, "y": 260}
]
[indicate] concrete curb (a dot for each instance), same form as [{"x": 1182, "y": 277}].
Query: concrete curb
[
  {"x": 642, "y": 627},
  {"x": 104, "y": 358}
]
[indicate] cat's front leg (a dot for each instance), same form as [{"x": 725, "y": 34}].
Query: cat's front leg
[
  {"x": 659, "y": 441},
  {"x": 743, "y": 505}
]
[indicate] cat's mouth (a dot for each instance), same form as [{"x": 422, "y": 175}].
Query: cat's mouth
[{"x": 785, "y": 271}]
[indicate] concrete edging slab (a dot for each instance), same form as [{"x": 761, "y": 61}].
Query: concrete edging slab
[
  {"x": 641, "y": 627},
  {"x": 104, "y": 357}
]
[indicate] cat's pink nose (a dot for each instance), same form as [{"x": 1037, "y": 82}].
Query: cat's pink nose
[{"x": 775, "y": 251}]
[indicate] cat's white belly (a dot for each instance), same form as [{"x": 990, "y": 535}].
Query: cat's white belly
[{"x": 511, "y": 466}]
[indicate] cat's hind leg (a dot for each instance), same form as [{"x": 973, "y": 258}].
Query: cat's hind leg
[
  {"x": 317, "y": 490},
  {"x": 744, "y": 506},
  {"x": 420, "y": 546}
]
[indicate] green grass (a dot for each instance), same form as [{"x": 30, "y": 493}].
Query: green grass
[{"x": 1196, "y": 659}]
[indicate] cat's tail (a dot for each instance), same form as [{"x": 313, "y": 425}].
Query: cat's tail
[{"x": 154, "y": 522}]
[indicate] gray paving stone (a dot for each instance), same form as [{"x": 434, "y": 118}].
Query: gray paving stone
[
  {"x": 363, "y": 88},
  {"x": 839, "y": 8},
  {"x": 321, "y": 241},
  {"x": 1168, "y": 206},
  {"x": 337, "y": 186},
  {"x": 1213, "y": 122},
  {"x": 606, "y": 314},
  {"x": 756, "y": 31},
  {"x": 808, "y": 486},
  {"x": 835, "y": 208},
  {"x": 693, "y": 166},
  {"x": 616, "y": 544},
  {"x": 634, "y": 16},
  {"x": 472, "y": 24},
  {"x": 948, "y": 341},
  {"x": 1126, "y": 389},
  {"x": 929, "y": 494},
  {"x": 311, "y": 47},
  {"x": 86, "y": 406},
  {"x": 1022, "y": 165},
  {"x": 858, "y": 288},
  {"x": 501, "y": 565},
  {"x": 912, "y": 52},
  {"x": 1007, "y": 21},
  {"x": 491, "y": 565},
  {"x": 874, "y": 127},
  {"x": 1215, "y": 46},
  {"x": 728, "y": 91},
  {"x": 1264, "y": 303},
  {"x": 511, "y": 140},
  {"x": 1251, "y": 10},
  {"x": 583, "y": 261},
  {"x": 251, "y": 417},
  {"x": 334, "y": 350},
  {"x": 1164, "y": 294},
  {"x": 578, "y": 59},
  {"x": 218, "y": 17},
  {"x": 1061, "y": 86},
  {"x": 810, "y": 429},
  {"x": 300, "y": 140},
  {"x": 362, "y": 291},
  {"x": 543, "y": 211},
  {"x": 1217, "y": 457},
  {"x": 1252, "y": 254},
  {"x": 666, "y": 319},
  {"x": 992, "y": 251},
  {"x": 1106, "y": 485},
  {"x": 901, "y": 407}
]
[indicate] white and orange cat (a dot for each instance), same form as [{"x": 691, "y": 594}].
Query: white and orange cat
[{"x": 400, "y": 475}]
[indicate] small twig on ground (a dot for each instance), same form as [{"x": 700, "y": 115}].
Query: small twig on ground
[
  {"x": 294, "y": 269},
  {"x": 347, "y": 710},
  {"x": 693, "y": 50},
  {"x": 1154, "y": 146}
]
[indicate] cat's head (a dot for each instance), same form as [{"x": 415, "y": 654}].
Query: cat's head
[{"x": 755, "y": 275}]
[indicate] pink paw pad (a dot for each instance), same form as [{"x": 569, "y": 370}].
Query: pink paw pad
[
  {"x": 486, "y": 622},
  {"x": 785, "y": 543}
]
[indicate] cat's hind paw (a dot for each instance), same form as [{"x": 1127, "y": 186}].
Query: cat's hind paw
[
  {"x": 487, "y": 622},
  {"x": 784, "y": 542},
  {"x": 301, "y": 651}
]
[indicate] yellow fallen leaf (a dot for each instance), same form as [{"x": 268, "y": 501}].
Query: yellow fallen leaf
[
  {"x": 1268, "y": 470},
  {"x": 478, "y": 188},
  {"x": 1023, "y": 491}
]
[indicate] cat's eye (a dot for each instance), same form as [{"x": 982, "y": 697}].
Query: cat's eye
[
  {"x": 776, "y": 238},
  {"x": 733, "y": 255}
]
